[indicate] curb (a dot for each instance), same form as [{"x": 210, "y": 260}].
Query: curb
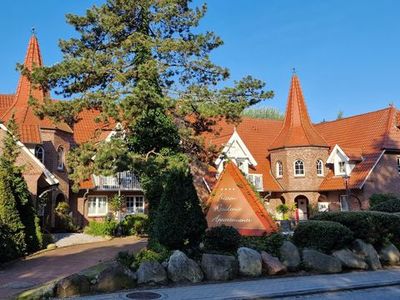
[{"x": 314, "y": 291}]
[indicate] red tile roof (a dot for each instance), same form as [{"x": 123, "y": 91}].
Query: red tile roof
[
  {"x": 297, "y": 129},
  {"x": 87, "y": 129},
  {"x": 24, "y": 115}
]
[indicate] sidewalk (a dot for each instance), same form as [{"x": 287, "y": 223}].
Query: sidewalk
[{"x": 272, "y": 288}]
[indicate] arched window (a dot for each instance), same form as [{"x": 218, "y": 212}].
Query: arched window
[
  {"x": 320, "y": 168},
  {"x": 279, "y": 169},
  {"x": 60, "y": 158},
  {"x": 39, "y": 153},
  {"x": 299, "y": 168}
]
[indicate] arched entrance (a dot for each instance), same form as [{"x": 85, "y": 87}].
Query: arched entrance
[{"x": 301, "y": 207}]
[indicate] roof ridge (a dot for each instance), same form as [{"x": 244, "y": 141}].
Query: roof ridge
[{"x": 354, "y": 116}]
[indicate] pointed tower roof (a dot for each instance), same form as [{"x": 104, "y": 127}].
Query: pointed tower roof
[
  {"x": 29, "y": 124},
  {"x": 297, "y": 129}
]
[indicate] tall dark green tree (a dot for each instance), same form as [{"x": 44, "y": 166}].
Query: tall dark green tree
[{"x": 145, "y": 64}]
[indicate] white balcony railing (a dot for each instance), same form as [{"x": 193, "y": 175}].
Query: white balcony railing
[
  {"x": 256, "y": 180},
  {"x": 122, "y": 181}
]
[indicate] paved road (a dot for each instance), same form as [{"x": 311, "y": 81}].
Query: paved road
[
  {"x": 44, "y": 267},
  {"x": 284, "y": 287}
]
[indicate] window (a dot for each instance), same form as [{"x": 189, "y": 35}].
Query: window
[
  {"x": 60, "y": 158},
  {"x": 342, "y": 167},
  {"x": 39, "y": 153},
  {"x": 256, "y": 180},
  {"x": 134, "y": 204},
  {"x": 97, "y": 205},
  {"x": 398, "y": 164},
  {"x": 299, "y": 168},
  {"x": 320, "y": 168},
  {"x": 344, "y": 204},
  {"x": 279, "y": 169}
]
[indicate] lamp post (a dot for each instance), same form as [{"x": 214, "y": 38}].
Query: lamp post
[{"x": 346, "y": 178}]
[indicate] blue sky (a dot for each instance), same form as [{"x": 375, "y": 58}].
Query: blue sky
[{"x": 346, "y": 53}]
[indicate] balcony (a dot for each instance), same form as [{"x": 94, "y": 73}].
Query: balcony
[
  {"x": 124, "y": 181},
  {"x": 256, "y": 180}
]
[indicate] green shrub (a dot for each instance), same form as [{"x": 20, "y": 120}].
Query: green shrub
[
  {"x": 269, "y": 243},
  {"x": 7, "y": 245},
  {"x": 222, "y": 238},
  {"x": 390, "y": 206},
  {"x": 322, "y": 235},
  {"x": 376, "y": 199},
  {"x": 373, "y": 227},
  {"x": 64, "y": 220},
  {"x": 125, "y": 258},
  {"x": 136, "y": 224},
  {"x": 146, "y": 255},
  {"x": 158, "y": 248},
  {"x": 105, "y": 228}
]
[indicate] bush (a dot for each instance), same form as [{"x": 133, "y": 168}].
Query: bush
[
  {"x": 322, "y": 235},
  {"x": 64, "y": 220},
  {"x": 106, "y": 228},
  {"x": 390, "y": 206},
  {"x": 146, "y": 255},
  {"x": 222, "y": 238},
  {"x": 376, "y": 228},
  {"x": 136, "y": 224},
  {"x": 125, "y": 258},
  {"x": 270, "y": 243},
  {"x": 377, "y": 199},
  {"x": 7, "y": 245}
]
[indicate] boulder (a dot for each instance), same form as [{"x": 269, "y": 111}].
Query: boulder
[
  {"x": 219, "y": 267},
  {"x": 73, "y": 285},
  {"x": 390, "y": 255},
  {"x": 115, "y": 277},
  {"x": 51, "y": 246},
  {"x": 290, "y": 256},
  {"x": 369, "y": 253},
  {"x": 249, "y": 262},
  {"x": 151, "y": 272},
  {"x": 271, "y": 264},
  {"x": 321, "y": 262},
  {"x": 181, "y": 268},
  {"x": 350, "y": 260}
]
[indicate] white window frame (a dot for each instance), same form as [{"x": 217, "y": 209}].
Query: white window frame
[
  {"x": 320, "y": 168},
  {"x": 60, "y": 161},
  {"x": 344, "y": 203},
  {"x": 398, "y": 163},
  {"x": 256, "y": 180},
  {"x": 294, "y": 168},
  {"x": 135, "y": 209},
  {"x": 37, "y": 149},
  {"x": 279, "y": 169},
  {"x": 340, "y": 164},
  {"x": 97, "y": 200}
]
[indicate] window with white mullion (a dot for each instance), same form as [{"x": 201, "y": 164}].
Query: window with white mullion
[
  {"x": 134, "y": 204},
  {"x": 299, "y": 168},
  {"x": 97, "y": 206}
]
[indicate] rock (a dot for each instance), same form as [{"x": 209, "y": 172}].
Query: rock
[
  {"x": 249, "y": 262},
  {"x": 290, "y": 256},
  {"x": 73, "y": 285},
  {"x": 51, "y": 246},
  {"x": 115, "y": 277},
  {"x": 46, "y": 291},
  {"x": 151, "y": 272},
  {"x": 370, "y": 254},
  {"x": 219, "y": 267},
  {"x": 271, "y": 264},
  {"x": 181, "y": 268},
  {"x": 390, "y": 255},
  {"x": 350, "y": 260},
  {"x": 321, "y": 262}
]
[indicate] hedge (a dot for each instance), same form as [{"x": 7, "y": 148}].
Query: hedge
[
  {"x": 376, "y": 228},
  {"x": 325, "y": 236},
  {"x": 377, "y": 199},
  {"x": 269, "y": 243},
  {"x": 105, "y": 228},
  {"x": 222, "y": 239},
  {"x": 390, "y": 206}
]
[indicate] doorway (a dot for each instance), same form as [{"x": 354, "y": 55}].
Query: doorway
[{"x": 301, "y": 208}]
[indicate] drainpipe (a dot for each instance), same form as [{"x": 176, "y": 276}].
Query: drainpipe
[{"x": 206, "y": 184}]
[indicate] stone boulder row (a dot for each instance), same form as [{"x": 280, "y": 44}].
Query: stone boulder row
[
  {"x": 290, "y": 256},
  {"x": 183, "y": 269},
  {"x": 249, "y": 262},
  {"x": 219, "y": 267},
  {"x": 321, "y": 262},
  {"x": 114, "y": 278},
  {"x": 350, "y": 260},
  {"x": 369, "y": 253},
  {"x": 271, "y": 265},
  {"x": 73, "y": 285},
  {"x": 151, "y": 272},
  {"x": 390, "y": 255}
]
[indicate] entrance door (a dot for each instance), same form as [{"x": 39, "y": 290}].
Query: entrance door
[{"x": 302, "y": 208}]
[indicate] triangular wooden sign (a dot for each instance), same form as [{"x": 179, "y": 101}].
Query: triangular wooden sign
[{"x": 233, "y": 202}]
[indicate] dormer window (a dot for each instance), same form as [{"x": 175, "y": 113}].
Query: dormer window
[
  {"x": 60, "y": 158},
  {"x": 320, "y": 168},
  {"x": 39, "y": 153},
  {"x": 299, "y": 168},
  {"x": 342, "y": 167},
  {"x": 279, "y": 169}
]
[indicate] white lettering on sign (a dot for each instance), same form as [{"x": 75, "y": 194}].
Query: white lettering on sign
[
  {"x": 226, "y": 208},
  {"x": 218, "y": 219}
]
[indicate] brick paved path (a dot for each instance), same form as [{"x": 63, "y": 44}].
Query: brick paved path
[{"x": 44, "y": 267}]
